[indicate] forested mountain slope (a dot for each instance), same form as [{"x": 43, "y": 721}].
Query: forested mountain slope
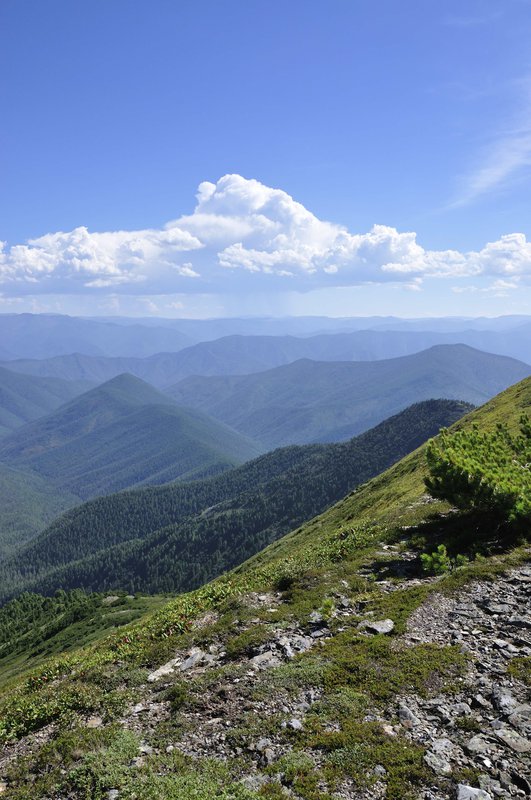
[
  {"x": 175, "y": 537},
  {"x": 24, "y": 397},
  {"x": 28, "y": 504},
  {"x": 121, "y": 434},
  {"x": 310, "y": 401}
]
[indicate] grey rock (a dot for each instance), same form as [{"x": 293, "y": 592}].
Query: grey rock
[
  {"x": 503, "y": 700},
  {"x": 407, "y": 717},
  {"x": 254, "y": 782},
  {"x": 301, "y": 643},
  {"x": 520, "y": 622},
  {"x": 113, "y": 794},
  {"x": 163, "y": 671},
  {"x": 295, "y": 724},
  {"x": 262, "y": 744},
  {"x": 379, "y": 626},
  {"x": 514, "y": 740},
  {"x": 265, "y": 660},
  {"x": 438, "y": 763},
  {"x": 478, "y": 701},
  {"x": 111, "y": 598},
  {"x": 497, "y": 608},
  {"x": 521, "y": 717},
  {"x": 478, "y": 745},
  {"x": 461, "y": 709},
  {"x": 195, "y": 657},
  {"x": 465, "y": 792},
  {"x": 501, "y": 644}
]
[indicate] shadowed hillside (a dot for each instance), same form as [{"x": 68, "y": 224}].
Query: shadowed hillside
[{"x": 121, "y": 434}]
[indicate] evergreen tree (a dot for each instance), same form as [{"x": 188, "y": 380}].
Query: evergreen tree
[{"x": 488, "y": 471}]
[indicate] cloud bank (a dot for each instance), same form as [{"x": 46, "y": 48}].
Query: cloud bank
[{"x": 244, "y": 236}]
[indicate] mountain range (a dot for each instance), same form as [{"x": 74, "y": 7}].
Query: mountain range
[
  {"x": 311, "y": 401},
  {"x": 47, "y": 335},
  {"x": 121, "y": 434},
  {"x": 242, "y": 354},
  {"x": 177, "y": 536}
]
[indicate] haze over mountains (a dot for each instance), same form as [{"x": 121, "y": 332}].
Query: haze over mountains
[
  {"x": 242, "y": 355},
  {"x": 30, "y": 336},
  {"x": 312, "y": 401}
]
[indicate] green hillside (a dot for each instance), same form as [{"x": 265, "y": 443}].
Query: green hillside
[
  {"x": 28, "y": 505},
  {"x": 33, "y": 627},
  {"x": 25, "y": 397},
  {"x": 179, "y": 536},
  {"x": 328, "y": 722},
  {"x": 123, "y": 433},
  {"x": 310, "y": 401}
]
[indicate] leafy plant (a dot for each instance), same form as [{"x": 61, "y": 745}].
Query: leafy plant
[{"x": 439, "y": 562}]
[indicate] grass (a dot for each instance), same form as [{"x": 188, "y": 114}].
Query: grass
[
  {"x": 520, "y": 668},
  {"x": 88, "y": 763}
]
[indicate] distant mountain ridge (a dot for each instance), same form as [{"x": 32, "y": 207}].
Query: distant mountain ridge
[
  {"x": 120, "y": 434},
  {"x": 46, "y": 335},
  {"x": 238, "y": 354},
  {"x": 311, "y": 401}
]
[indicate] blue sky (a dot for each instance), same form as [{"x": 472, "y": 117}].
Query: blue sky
[{"x": 332, "y": 117}]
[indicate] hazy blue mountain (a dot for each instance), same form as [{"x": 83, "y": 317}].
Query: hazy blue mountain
[
  {"x": 311, "y": 401},
  {"x": 121, "y": 434},
  {"x": 47, "y": 335},
  {"x": 174, "y": 537},
  {"x": 242, "y": 355},
  {"x": 207, "y": 329},
  {"x": 26, "y": 397}
]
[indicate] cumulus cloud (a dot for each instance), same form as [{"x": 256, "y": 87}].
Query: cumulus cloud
[{"x": 242, "y": 236}]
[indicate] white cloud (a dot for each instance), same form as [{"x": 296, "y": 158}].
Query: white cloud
[{"x": 244, "y": 236}]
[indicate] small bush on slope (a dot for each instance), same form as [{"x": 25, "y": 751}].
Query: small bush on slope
[{"x": 485, "y": 470}]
